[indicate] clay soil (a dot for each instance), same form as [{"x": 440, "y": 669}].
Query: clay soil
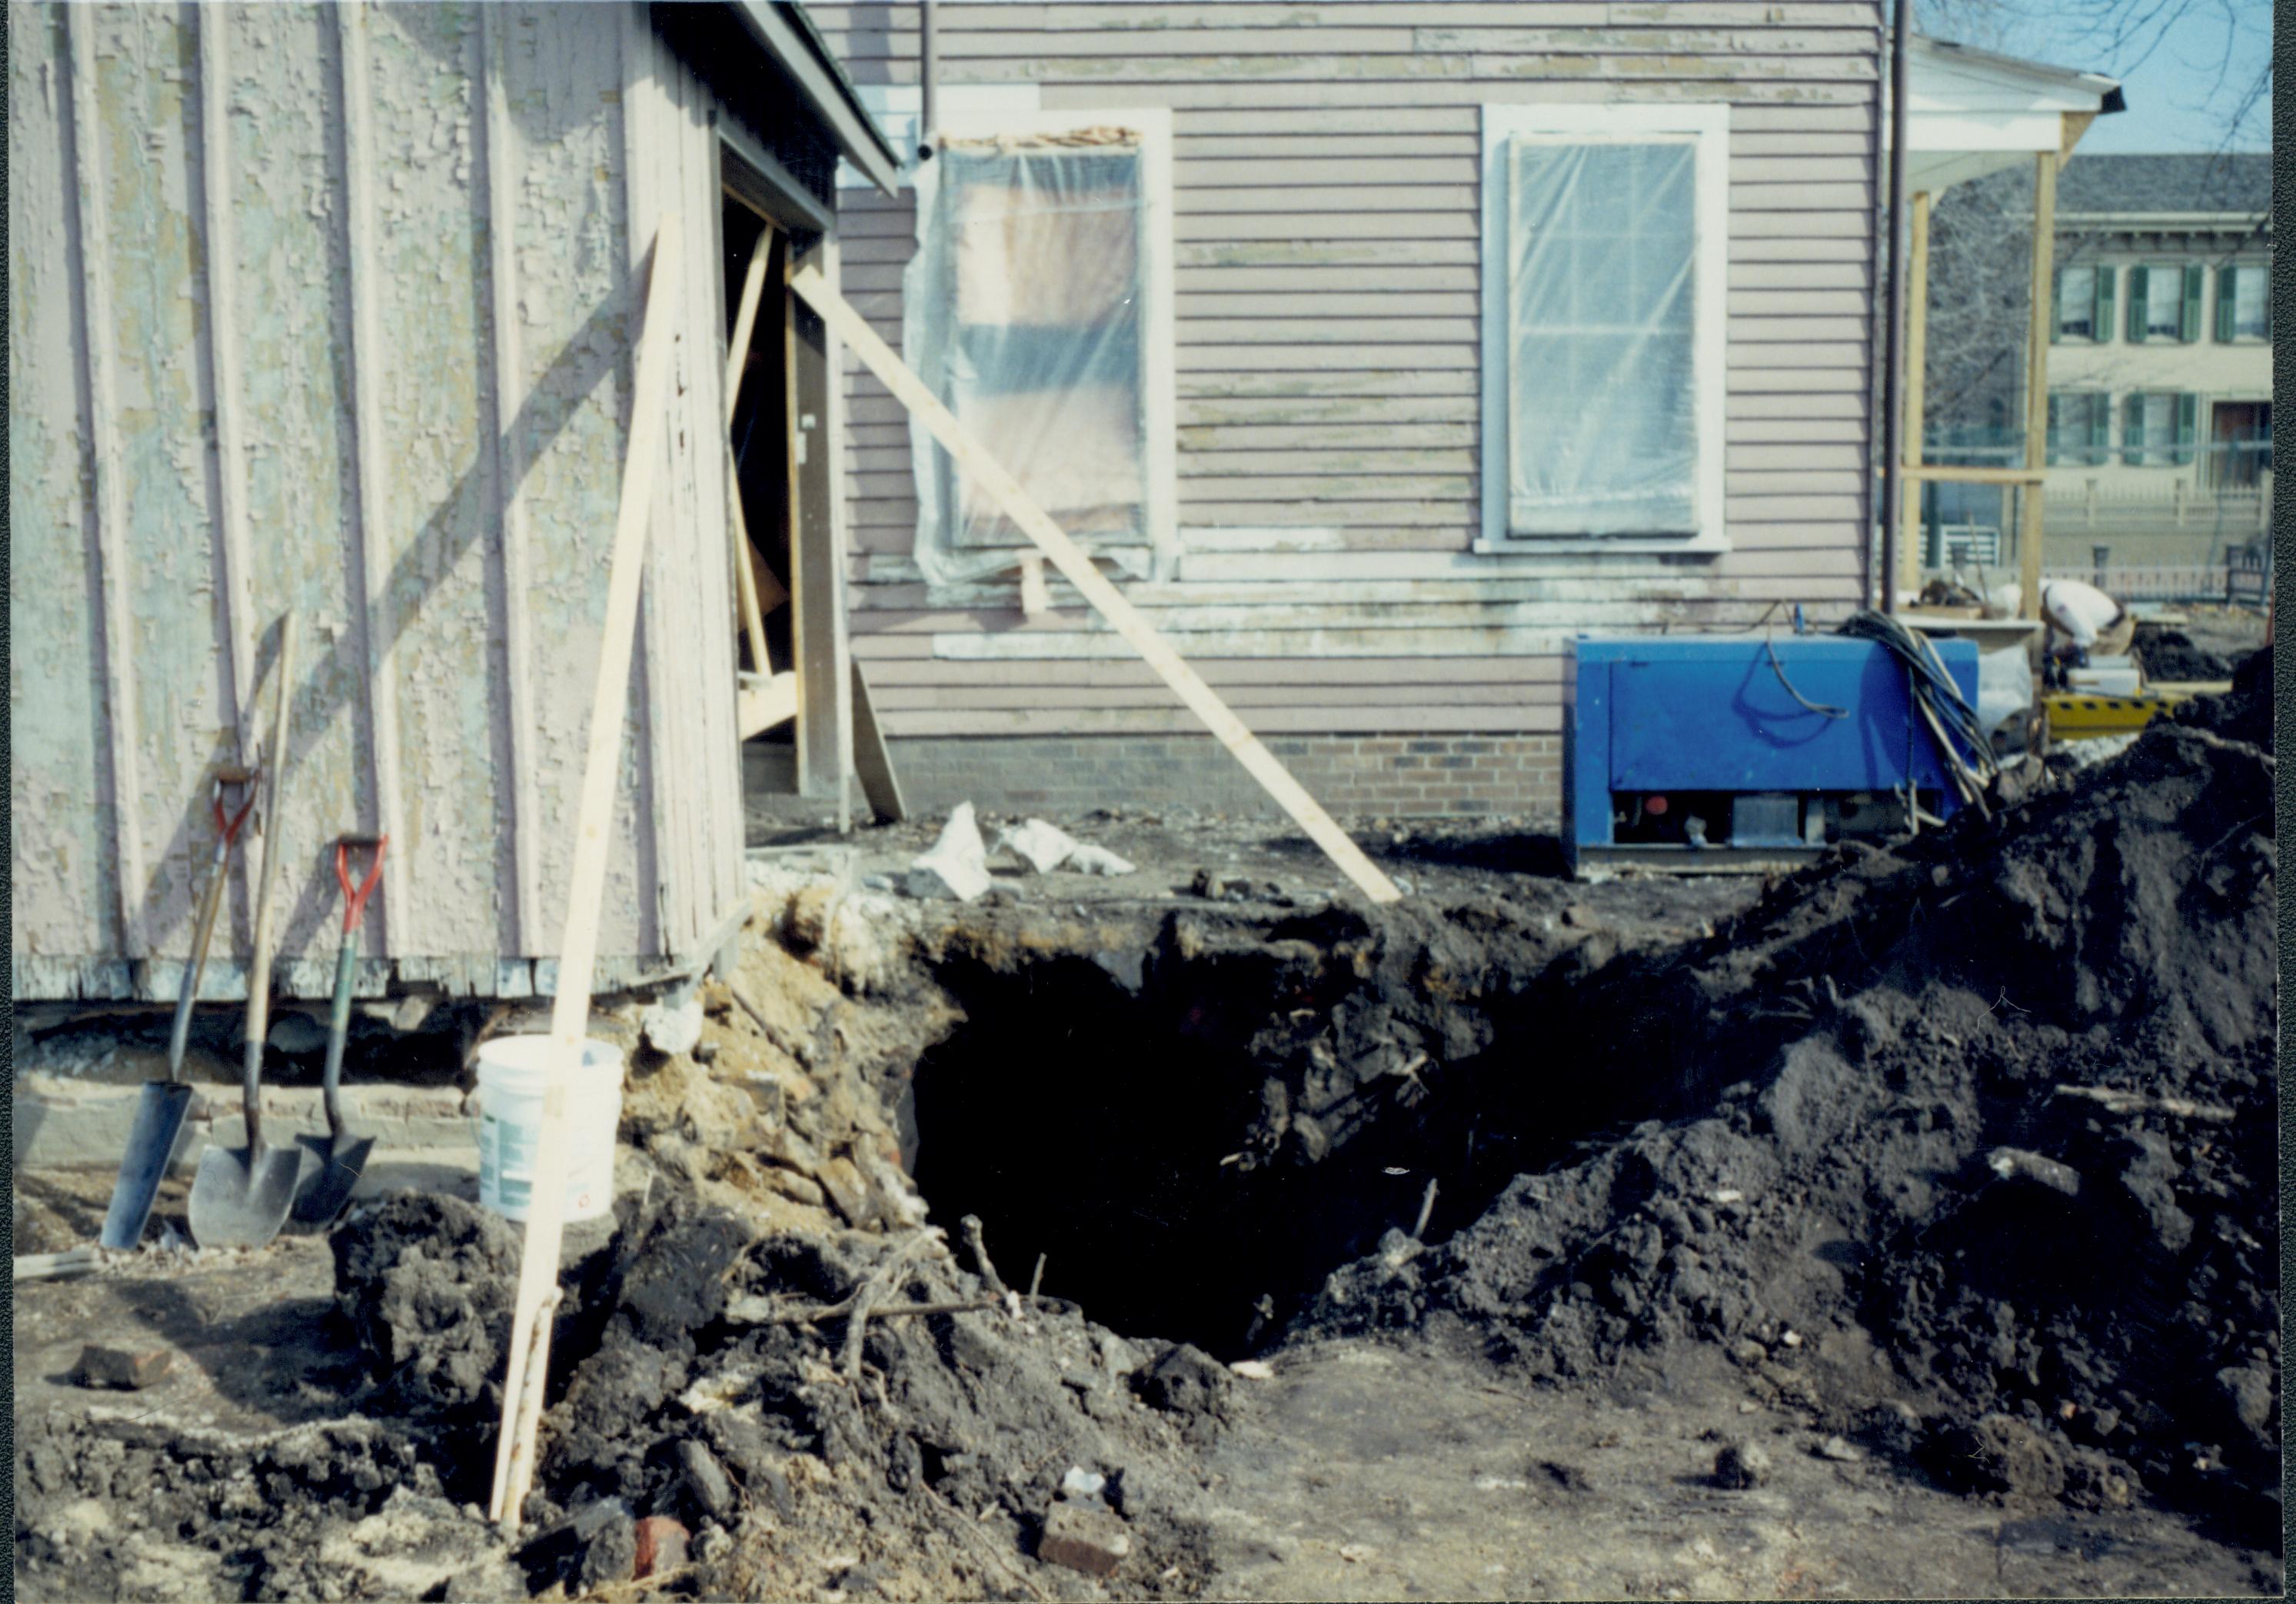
[{"x": 1439, "y": 1251}]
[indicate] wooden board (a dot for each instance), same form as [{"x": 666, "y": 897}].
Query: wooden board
[
  {"x": 569, "y": 1013},
  {"x": 766, "y": 700},
  {"x": 872, "y": 761},
  {"x": 1105, "y": 598}
]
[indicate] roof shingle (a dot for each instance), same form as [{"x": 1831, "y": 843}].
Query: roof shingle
[{"x": 2232, "y": 183}]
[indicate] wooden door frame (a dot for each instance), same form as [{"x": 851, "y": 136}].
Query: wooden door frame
[{"x": 816, "y": 514}]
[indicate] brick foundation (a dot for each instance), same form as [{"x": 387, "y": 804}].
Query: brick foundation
[{"x": 1401, "y": 776}]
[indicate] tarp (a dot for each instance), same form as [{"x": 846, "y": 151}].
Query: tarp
[
  {"x": 1602, "y": 407},
  {"x": 1022, "y": 311}
]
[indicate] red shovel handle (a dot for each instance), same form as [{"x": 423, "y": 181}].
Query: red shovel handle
[
  {"x": 229, "y": 827},
  {"x": 354, "y": 901}
]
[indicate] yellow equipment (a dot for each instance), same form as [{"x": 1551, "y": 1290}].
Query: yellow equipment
[{"x": 2088, "y": 715}]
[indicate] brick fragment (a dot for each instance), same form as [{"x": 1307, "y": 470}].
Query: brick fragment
[
  {"x": 132, "y": 1369},
  {"x": 1083, "y": 1539},
  {"x": 661, "y": 1546}
]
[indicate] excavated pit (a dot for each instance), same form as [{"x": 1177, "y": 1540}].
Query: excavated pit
[{"x": 1193, "y": 1131}]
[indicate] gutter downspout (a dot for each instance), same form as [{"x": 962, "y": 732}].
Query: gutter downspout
[
  {"x": 1893, "y": 420},
  {"x": 928, "y": 71}
]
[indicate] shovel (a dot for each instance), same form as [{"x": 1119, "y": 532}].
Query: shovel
[
  {"x": 161, "y": 1109},
  {"x": 239, "y": 1197},
  {"x": 342, "y": 1156}
]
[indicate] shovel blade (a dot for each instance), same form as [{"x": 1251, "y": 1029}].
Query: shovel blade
[
  {"x": 331, "y": 1175},
  {"x": 240, "y": 1196},
  {"x": 159, "y": 1115}
]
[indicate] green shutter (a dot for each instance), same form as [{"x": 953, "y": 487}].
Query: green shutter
[
  {"x": 2227, "y": 297},
  {"x": 2102, "y": 319},
  {"x": 2132, "y": 431},
  {"x": 2051, "y": 436},
  {"x": 2189, "y": 326},
  {"x": 2056, "y": 304},
  {"x": 2099, "y": 430},
  {"x": 2188, "y": 423},
  {"x": 2140, "y": 283}
]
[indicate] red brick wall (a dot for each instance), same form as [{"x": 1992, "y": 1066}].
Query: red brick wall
[{"x": 1400, "y": 776}]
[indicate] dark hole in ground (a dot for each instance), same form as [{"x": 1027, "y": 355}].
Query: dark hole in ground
[{"x": 1104, "y": 1126}]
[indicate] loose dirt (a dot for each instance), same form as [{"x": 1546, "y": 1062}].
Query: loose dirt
[{"x": 1940, "y": 1178}]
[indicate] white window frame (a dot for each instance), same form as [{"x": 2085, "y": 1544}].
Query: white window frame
[
  {"x": 1707, "y": 128},
  {"x": 2095, "y": 336},
  {"x": 1159, "y": 467},
  {"x": 2172, "y": 274},
  {"x": 2241, "y": 271}
]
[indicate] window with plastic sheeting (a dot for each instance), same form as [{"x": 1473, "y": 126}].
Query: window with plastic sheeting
[
  {"x": 1035, "y": 308},
  {"x": 1604, "y": 325}
]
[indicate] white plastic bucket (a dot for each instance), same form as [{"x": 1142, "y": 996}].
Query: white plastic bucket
[{"x": 512, "y": 1072}]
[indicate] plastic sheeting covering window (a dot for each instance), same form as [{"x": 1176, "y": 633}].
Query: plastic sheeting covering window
[
  {"x": 1024, "y": 305},
  {"x": 1602, "y": 243}
]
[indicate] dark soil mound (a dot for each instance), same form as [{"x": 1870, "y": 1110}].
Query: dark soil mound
[
  {"x": 683, "y": 1385},
  {"x": 2171, "y": 654},
  {"x": 2003, "y": 1097}
]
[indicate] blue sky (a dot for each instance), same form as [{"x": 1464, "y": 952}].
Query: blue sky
[{"x": 2171, "y": 76}]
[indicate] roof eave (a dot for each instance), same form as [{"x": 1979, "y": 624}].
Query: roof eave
[{"x": 782, "y": 29}]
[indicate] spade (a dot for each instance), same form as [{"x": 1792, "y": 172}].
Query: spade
[
  {"x": 240, "y": 1197},
  {"x": 341, "y": 1155},
  {"x": 164, "y": 1104}
]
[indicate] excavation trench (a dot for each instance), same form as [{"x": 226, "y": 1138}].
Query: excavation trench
[{"x": 1193, "y": 1132}]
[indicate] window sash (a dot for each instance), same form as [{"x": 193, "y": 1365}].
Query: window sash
[
  {"x": 2252, "y": 316},
  {"x": 2164, "y": 302},
  {"x": 2076, "y": 304},
  {"x": 1600, "y": 336}
]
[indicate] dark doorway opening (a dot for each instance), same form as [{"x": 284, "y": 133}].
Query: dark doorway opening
[{"x": 761, "y": 432}]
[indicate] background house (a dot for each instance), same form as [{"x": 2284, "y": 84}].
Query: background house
[
  {"x": 1253, "y": 296},
  {"x": 332, "y": 308},
  {"x": 2160, "y": 361}
]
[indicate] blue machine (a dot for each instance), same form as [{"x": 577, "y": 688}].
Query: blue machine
[{"x": 1709, "y": 752}]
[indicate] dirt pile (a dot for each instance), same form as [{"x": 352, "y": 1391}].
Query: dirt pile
[
  {"x": 706, "y": 1374},
  {"x": 2001, "y": 1102},
  {"x": 2172, "y": 655}
]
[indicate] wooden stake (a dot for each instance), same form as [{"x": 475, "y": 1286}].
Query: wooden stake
[
  {"x": 577, "y": 954},
  {"x": 2037, "y": 380},
  {"x": 1078, "y": 568}
]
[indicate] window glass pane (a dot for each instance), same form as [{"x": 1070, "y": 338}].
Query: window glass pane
[
  {"x": 2080, "y": 416},
  {"x": 1603, "y": 405},
  {"x": 2164, "y": 302},
  {"x": 2077, "y": 303},
  {"x": 2248, "y": 314},
  {"x": 1041, "y": 247},
  {"x": 2159, "y": 415}
]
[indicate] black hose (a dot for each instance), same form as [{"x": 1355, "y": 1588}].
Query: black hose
[{"x": 1952, "y": 722}]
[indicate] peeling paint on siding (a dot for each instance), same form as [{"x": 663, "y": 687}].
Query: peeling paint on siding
[{"x": 495, "y": 372}]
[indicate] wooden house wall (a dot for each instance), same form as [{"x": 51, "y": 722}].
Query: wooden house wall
[
  {"x": 331, "y": 308},
  {"x": 1327, "y": 216}
]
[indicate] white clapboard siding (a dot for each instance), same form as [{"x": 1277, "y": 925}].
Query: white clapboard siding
[{"x": 1327, "y": 300}]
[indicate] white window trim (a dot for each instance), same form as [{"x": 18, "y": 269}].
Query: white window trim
[
  {"x": 2095, "y": 336},
  {"x": 2263, "y": 271},
  {"x": 1708, "y": 128},
  {"x": 1158, "y": 337}
]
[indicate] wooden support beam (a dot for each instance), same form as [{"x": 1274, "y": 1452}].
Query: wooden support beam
[
  {"x": 1917, "y": 333},
  {"x": 817, "y": 557},
  {"x": 747, "y": 564},
  {"x": 873, "y": 760},
  {"x": 766, "y": 699},
  {"x": 577, "y": 954},
  {"x": 2037, "y": 380},
  {"x": 1078, "y": 567},
  {"x": 1953, "y": 474}
]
